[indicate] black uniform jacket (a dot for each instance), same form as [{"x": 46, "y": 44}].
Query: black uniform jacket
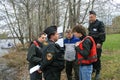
[
  {"x": 53, "y": 57},
  {"x": 97, "y": 31},
  {"x": 34, "y": 55}
]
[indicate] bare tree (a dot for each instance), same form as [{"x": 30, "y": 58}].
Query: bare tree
[
  {"x": 29, "y": 17},
  {"x": 92, "y": 4}
]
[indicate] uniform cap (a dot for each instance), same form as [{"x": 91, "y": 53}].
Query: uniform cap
[
  {"x": 50, "y": 30},
  {"x": 92, "y": 12}
]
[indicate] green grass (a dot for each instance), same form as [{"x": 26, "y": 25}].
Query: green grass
[
  {"x": 111, "y": 58},
  {"x": 112, "y": 42},
  {"x": 111, "y": 66}
]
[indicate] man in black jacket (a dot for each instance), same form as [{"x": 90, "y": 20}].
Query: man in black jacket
[
  {"x": 34, "y": 56},
  {"x": 97, "y": 31},
  {"x": 53, "y": 56}
]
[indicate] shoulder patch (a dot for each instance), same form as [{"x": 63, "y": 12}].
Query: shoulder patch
[{"x": 49, "y": 56}]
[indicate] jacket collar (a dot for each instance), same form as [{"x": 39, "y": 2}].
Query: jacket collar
[
  {"x": 82, "y": 37},
  {"x": 40, "y": 44}
]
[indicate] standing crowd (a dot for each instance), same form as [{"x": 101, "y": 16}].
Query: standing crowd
[{"x": 81, "y": 52}]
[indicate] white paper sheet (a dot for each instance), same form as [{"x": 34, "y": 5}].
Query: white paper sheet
[
  {"x": 35, "y": 68},
  {"x": 60, "y": 41}
]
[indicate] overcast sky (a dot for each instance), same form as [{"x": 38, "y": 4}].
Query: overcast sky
[{"x": 117, "y": 1}]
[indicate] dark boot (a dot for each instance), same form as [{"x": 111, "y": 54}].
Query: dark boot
[
  {"x": 97, "y": 77},
  {"x": 69, "y": 77}
]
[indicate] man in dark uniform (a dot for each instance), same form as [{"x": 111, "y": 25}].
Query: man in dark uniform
[
  {"x": 97, "y": 31},
  {"x": 34, "y": 56},
  {"x": 53, "y": 59}
]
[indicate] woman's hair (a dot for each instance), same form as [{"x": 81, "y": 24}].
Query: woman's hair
[{"x": 79, "y": 29}]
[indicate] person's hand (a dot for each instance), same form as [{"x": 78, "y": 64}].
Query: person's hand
[
  {"x": 99, "y": 45},
  {"x": 39, "y": 71},
  {"x": 77, "y": 43}
]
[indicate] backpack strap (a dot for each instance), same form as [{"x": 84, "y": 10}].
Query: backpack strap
[
  {"x": 87, "y": 37},
  {"x": 36, "y": 44}
]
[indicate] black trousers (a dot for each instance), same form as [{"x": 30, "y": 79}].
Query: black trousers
[
  {"x": 69, "y": 66},
  {"x": 52, "y": 75},
  {"x": 97, "y": 64},
  {"x": 36, "y": 76}
]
